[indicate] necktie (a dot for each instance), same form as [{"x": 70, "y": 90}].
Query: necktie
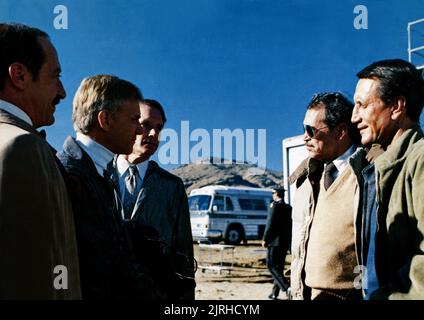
[
  {"x": 329, "y": 173},
  {"x": 130, "y": 191}
]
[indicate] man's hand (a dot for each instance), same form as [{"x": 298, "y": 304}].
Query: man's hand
[{"x": 264, "y": 244}]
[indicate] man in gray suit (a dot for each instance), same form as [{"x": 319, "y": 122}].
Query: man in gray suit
[
  {"x": 37, "y": 238},
  {"x": 155, "y": 210}
]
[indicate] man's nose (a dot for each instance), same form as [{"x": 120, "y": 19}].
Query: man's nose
[
  {"x": 138, "y": 129},
  {"x": 355, "y": 115},
  {"x": 62, "y": 92},
  {"x": 153, "y": 132}
]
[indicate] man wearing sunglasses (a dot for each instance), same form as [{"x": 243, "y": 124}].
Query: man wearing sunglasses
[{"x": 326, "y": 204}]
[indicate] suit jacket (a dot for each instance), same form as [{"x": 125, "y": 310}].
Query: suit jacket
[
  {"x": 36, "y": 221},
  {"x": 162, "y": 207},
  {"x": 279, "y": 225},
  {"x": 107, "y": 268}
]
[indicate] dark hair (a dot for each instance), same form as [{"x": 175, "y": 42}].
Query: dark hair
[
  {"x": 155, "y": 104},
  {"x": 398, "y": 78},
  {"x": 20, "y": 43},
  {"x": 279, "y": 192},
  {"x": 338, "y": 109}
]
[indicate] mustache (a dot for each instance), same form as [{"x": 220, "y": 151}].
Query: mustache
[{"x": 150, "y": 142}]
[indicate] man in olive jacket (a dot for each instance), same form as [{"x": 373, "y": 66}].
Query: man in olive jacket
[
  {"x": 389, "y": 98},
  {"x": 38, "y": 251},
  {"x": 156, "y": 210}
]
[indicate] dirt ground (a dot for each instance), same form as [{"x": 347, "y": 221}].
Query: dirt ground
[{"x": 243, "y": 276}]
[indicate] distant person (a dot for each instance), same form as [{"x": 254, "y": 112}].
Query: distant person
[
  {"x": 155, "y": 201},
  {"x": 389, "y": 99},
  {"x": 326, "y": 204},
  {"x": 36, "y": 223},
  {"x": 277, "y": 239},
  {"x": 105, "y": 115}
]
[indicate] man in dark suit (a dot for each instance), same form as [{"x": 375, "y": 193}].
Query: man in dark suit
[
  {"x": 277, "y": 239},
  {"x": 105, "y": 115},
  {"x": 37, "y": 236},
  {"x": 155, "y": 202}
]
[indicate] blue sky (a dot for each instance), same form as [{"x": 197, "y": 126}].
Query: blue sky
[{"x": 249, "y": 64}]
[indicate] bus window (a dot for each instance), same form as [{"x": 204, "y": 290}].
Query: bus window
[
  {"x": 252, "y": 204},
  {"x": 229, "y": 204},
  {"x": 219, "y": 202},
  {"x": 199, "y": 203},
  {"x": 258, "y": 205},
  {"x": 245, "y": 204}
]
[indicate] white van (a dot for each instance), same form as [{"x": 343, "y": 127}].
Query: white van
[{"x": 231, "y": 214}]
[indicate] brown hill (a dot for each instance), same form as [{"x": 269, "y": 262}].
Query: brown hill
[{"x": 208, "y": 172}]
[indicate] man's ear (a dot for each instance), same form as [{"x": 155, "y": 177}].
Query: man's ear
[
  {"x": 19, "y": 75},
  {"x": 398, "y": 109},
  {"x": 342, "y": 130},
  {"x": 104, "y": 120}
]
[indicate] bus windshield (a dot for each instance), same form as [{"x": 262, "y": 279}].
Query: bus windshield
[{"x": 199, "y": 203}]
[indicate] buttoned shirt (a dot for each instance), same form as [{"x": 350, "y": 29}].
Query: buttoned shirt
[
  {"x": 342, "y": 162},
  {"x": 100, "y": 155},
  {"x": 16, "y": 111},
  {"x": 122, "y": 166}
]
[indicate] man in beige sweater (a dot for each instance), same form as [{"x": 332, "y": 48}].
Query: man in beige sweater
[{"x": 326, "y": 204}]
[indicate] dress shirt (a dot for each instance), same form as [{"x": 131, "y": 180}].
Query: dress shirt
[
  {"x": 17, "y": 112},
  {"x": 343, "y": 161},
  {"x": 122, "y": 166},
  {"x": 100, "y": 155}
]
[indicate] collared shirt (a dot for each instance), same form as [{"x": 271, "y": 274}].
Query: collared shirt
[
  {"x": 369, "y": 229},
  {"x": 16, "y": 111},
  {"x": 342, "y": 162},
  {"x": 100, "y": 155},
  {"x": 122, "y": 166}
]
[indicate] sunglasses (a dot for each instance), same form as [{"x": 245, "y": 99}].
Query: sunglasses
[{"x": 311, "y": 131}]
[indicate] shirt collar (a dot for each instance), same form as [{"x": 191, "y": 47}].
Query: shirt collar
[
  {"x": 342, "y": 162},
  {"x": 122, "y": 166},
  {"x": 100, "y": 155},
  {"x": 16, "y": 111}
]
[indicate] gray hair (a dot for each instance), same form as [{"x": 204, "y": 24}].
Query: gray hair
[{"x": 98, "y": 93}]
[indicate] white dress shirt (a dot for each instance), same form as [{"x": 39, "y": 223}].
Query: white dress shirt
[
  {"x": 343, "y": 161},
  {"x": 100, "y": 155},
  {"x": 16, "y": 111},
  {"x": 122, "y": 166}
]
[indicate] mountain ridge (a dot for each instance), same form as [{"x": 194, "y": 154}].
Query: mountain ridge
[{"x": 227, "y": 173}]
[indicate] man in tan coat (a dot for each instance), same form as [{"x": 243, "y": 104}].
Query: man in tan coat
[
  {"x": 37, "y": 238},
  {"x": 326, "y": 204}
]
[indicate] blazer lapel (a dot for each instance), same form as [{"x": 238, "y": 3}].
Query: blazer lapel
[{"x": 137, "y": 211}]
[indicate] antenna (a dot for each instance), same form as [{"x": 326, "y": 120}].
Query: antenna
[{"x": 416, "y": 53}]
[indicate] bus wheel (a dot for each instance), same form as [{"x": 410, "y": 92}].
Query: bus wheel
[{"x": 234, "y": 235}]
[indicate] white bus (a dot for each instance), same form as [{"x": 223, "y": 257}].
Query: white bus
[{"x": 232, "y": 214}]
